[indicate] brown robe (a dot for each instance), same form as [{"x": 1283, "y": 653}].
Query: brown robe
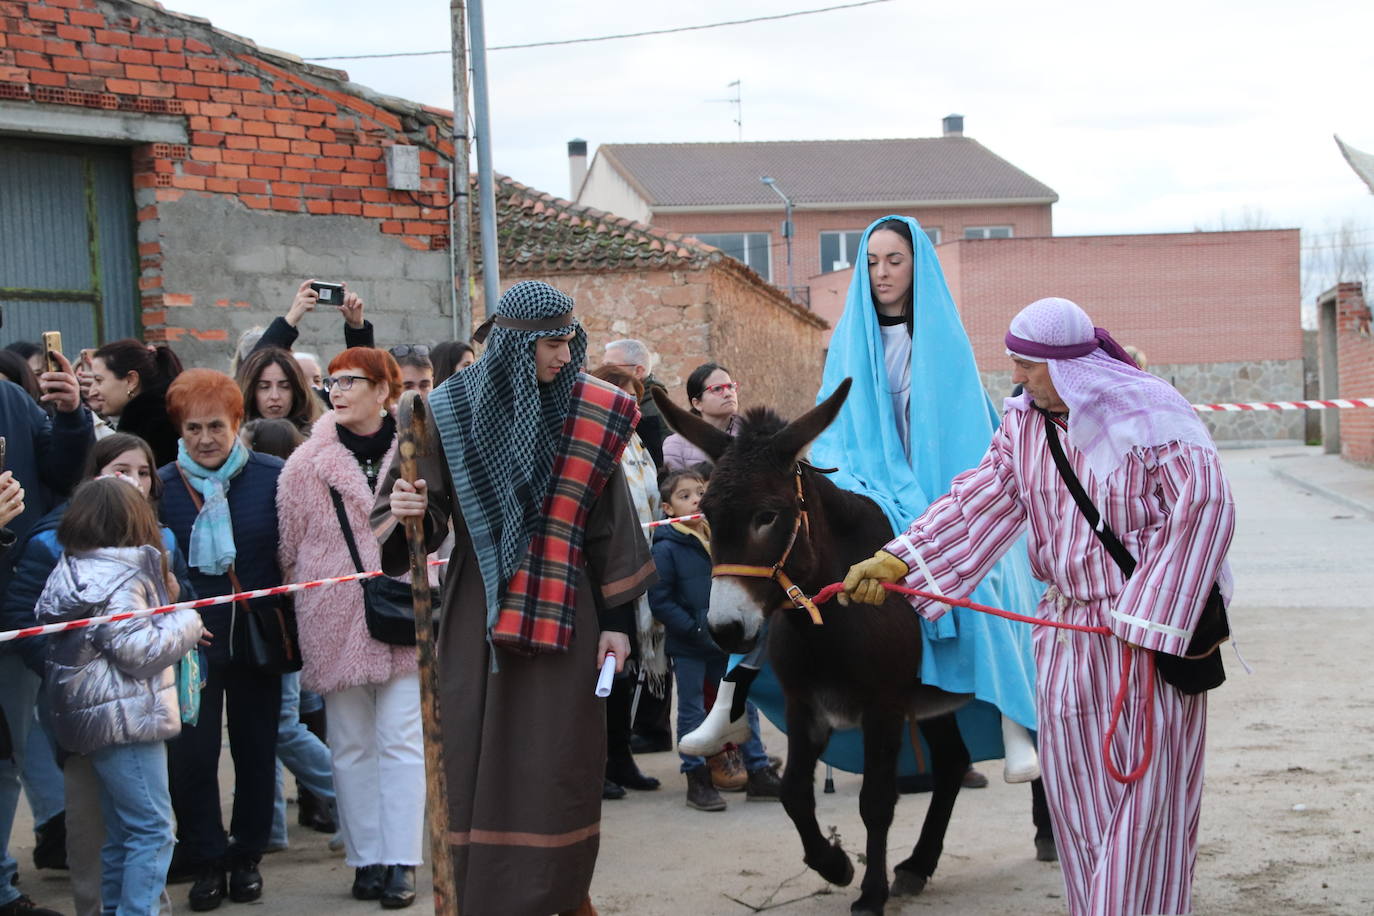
[{"x": 524, "y": 746}]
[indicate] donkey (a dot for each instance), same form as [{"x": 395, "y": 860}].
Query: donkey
[{"x": 781, "y": 530}]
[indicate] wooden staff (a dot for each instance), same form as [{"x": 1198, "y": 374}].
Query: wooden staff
[{"x": 415, "y": 443}]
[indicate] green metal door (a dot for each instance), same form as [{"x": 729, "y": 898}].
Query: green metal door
[{"x": 68, "y": 249}]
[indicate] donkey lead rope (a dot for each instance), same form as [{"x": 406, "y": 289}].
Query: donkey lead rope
[{"x": 1118, "y": 701}]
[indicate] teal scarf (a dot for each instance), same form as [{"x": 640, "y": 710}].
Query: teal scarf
[{"x": 212, "y": 548}]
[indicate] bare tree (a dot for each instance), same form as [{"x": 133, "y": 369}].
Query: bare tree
[{"x": 1338, "y": 254}]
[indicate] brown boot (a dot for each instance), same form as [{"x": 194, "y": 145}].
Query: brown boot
[
  {"x": 700, "y": 793},
  {"x": 727, "y": 771}
]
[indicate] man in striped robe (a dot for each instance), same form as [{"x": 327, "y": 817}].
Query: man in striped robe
[{"x": 1152, "y": 470}]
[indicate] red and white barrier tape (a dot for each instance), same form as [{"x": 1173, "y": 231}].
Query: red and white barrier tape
[
  {"x": 49, "y": 628},
  {"x": 1339, "y": 403}
]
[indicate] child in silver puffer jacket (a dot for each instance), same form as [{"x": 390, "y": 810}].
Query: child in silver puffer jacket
[{"x": 112, "y": 687}]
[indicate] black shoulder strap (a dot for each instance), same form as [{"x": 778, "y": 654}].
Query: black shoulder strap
[
  {"x": 1106, "y": 535},
  {"x": 347, "y": 529}
]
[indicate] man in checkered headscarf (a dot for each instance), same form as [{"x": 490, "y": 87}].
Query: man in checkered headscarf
[{"x": 547, "y": 562}]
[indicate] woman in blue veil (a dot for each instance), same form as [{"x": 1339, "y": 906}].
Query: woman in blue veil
[{"x": 916, "y": 417}]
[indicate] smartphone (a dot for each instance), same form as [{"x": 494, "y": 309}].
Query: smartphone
[
  {"x": 330, "y": 293},
  {"x": 52, "y": 343},
  {"x": 2, "y": 453}
]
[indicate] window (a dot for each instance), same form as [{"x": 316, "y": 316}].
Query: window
[
  {"x": 987, "y": 232},
  {"x": 752, "y": 248},
  {"x": 838, "y": 250}
]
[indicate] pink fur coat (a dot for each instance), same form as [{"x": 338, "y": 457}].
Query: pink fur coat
[{"x": 337, "y": 651}]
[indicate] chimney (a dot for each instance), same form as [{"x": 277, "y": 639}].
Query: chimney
[
  {"x": 577, "y": 165},
  {"x": 954, "y": 125}
]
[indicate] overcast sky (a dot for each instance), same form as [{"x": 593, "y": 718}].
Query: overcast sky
[{"x": 1144, "y": 118}]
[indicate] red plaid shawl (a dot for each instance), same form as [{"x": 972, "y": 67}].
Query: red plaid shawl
[{"x": 540, "y": 603}]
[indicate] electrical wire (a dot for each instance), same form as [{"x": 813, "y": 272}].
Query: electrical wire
[{"x": 578, "y": 41}]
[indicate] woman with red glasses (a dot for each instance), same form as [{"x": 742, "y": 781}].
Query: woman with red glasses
[{"x": 713, "y": 396}]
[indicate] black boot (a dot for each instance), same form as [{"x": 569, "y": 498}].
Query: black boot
[
  {"x": 50, "y": 842},
  {"x": 312, "y": 812},
  {"x": 245, "y": 881},
  {"x": 209, "y": 889},
  {"x": 624, "y": 772},
  {"x": 400, "y": 887},
  {"x": 368, "y": 882}
]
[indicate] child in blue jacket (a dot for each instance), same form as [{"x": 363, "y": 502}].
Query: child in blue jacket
[{"x": 680, "y": 601}]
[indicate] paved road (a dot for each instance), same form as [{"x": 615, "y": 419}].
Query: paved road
[{"x": 1287, "y": 818}]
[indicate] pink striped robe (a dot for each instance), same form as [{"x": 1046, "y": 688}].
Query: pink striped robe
[{"x": 1125, "y": 849}]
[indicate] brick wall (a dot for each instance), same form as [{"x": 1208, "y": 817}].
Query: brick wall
[
  {"x": 1026, "y": 221},
  {"x": 719, "y": 313},
  {"x": 266, "y": 135},
  {"x": 1205, "y": 297},
  {"x": 1355, "y": 369}
]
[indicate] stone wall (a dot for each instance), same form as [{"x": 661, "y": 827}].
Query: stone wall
[
  {"x": 1217, "y": 383},
  {"x": 720, "y": 313}
]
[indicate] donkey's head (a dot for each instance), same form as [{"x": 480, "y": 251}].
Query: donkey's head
[{"x": 755, "y": 506}]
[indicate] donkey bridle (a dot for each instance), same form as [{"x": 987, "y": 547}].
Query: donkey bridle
[{"x": 796, "y": 597}]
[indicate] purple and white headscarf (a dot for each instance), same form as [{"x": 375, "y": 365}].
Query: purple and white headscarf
[{"x": 1114, "y": 407}]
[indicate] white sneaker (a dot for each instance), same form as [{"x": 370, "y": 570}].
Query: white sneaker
[
  {"x": 1022, "y": 764},
  {"x": 710, "y": 738}
]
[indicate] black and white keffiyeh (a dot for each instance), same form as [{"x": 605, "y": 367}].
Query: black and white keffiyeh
[{"x": 500, "y": 428}]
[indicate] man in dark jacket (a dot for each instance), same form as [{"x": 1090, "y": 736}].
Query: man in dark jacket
[{"x": 46, "y": 456}]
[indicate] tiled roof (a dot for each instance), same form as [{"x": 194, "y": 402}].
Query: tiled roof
[
  {"x": 539, "y": 234},
  {"x": 819, "y": 172}
]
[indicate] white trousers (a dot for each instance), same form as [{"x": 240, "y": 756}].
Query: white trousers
[{"x": 379, "y": 771}]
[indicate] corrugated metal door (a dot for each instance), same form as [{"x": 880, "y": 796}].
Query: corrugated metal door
[{"x": 68, "y": 250}]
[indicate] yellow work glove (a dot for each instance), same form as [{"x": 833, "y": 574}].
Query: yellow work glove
[{"x": 864, "y": 583}]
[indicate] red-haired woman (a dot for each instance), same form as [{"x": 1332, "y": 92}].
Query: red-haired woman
[
  {"x": 371, "y": 689},
  {"x": 220, "y": 500},
  {"x": 130, "y": 379}
]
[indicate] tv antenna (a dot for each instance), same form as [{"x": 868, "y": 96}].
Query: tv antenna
[{"x": 738, "y": 102}]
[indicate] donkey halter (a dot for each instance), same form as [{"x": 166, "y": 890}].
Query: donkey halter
[{"x": 796, "y": 597}]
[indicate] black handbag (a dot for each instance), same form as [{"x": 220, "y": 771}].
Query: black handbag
[
  {"x": 388, "y": 605},
  {"x": 1200, "y": 668},
  {"x": 261, "y": 636},
  {"x": 264, "y": 637}
]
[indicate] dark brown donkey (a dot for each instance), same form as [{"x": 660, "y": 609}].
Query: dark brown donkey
[{"x": 771, "y": 511}]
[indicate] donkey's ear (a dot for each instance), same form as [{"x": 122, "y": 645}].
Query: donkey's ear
[
  {"x": 694, "y": 429},
  {"x": 793, "y": 439}
]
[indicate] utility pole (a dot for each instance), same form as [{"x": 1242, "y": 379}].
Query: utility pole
[
  {"x": 486, "y": 191},
  {"x": 786, "y": 230},
  {"x": 460, "y": 181}
]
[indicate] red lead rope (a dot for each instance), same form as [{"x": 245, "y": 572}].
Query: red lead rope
[{"x": 1118, "y": 701}]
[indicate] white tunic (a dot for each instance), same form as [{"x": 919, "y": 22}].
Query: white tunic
[{"x": 897, "y": 359}]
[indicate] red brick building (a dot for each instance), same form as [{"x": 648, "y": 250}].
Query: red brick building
[
  {"x": 1346, "y": 347},
  {"x": 952, "y": 184},
  {"x": 1216, "y": 313},
  {"x": 169, "y": 179}
]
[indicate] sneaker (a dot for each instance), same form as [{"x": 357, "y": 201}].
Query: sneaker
[
  {"x": 763, "y": 785},
  {"x": 727, "y": 771},
  {"x": 701, "y": 795},
  {"x": 23, "y": 906}
]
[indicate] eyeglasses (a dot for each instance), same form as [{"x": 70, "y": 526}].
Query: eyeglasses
[
  {"x": 408, "y": 349},
  {"x": 722, "y": 390},
  {"x": 343, "y": 382}
]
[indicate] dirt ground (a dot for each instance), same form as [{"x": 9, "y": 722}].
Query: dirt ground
[{"x": 1287, "y": 819}]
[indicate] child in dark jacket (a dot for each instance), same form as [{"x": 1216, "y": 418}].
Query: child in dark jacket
[{"x": 680, "y": 600}]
